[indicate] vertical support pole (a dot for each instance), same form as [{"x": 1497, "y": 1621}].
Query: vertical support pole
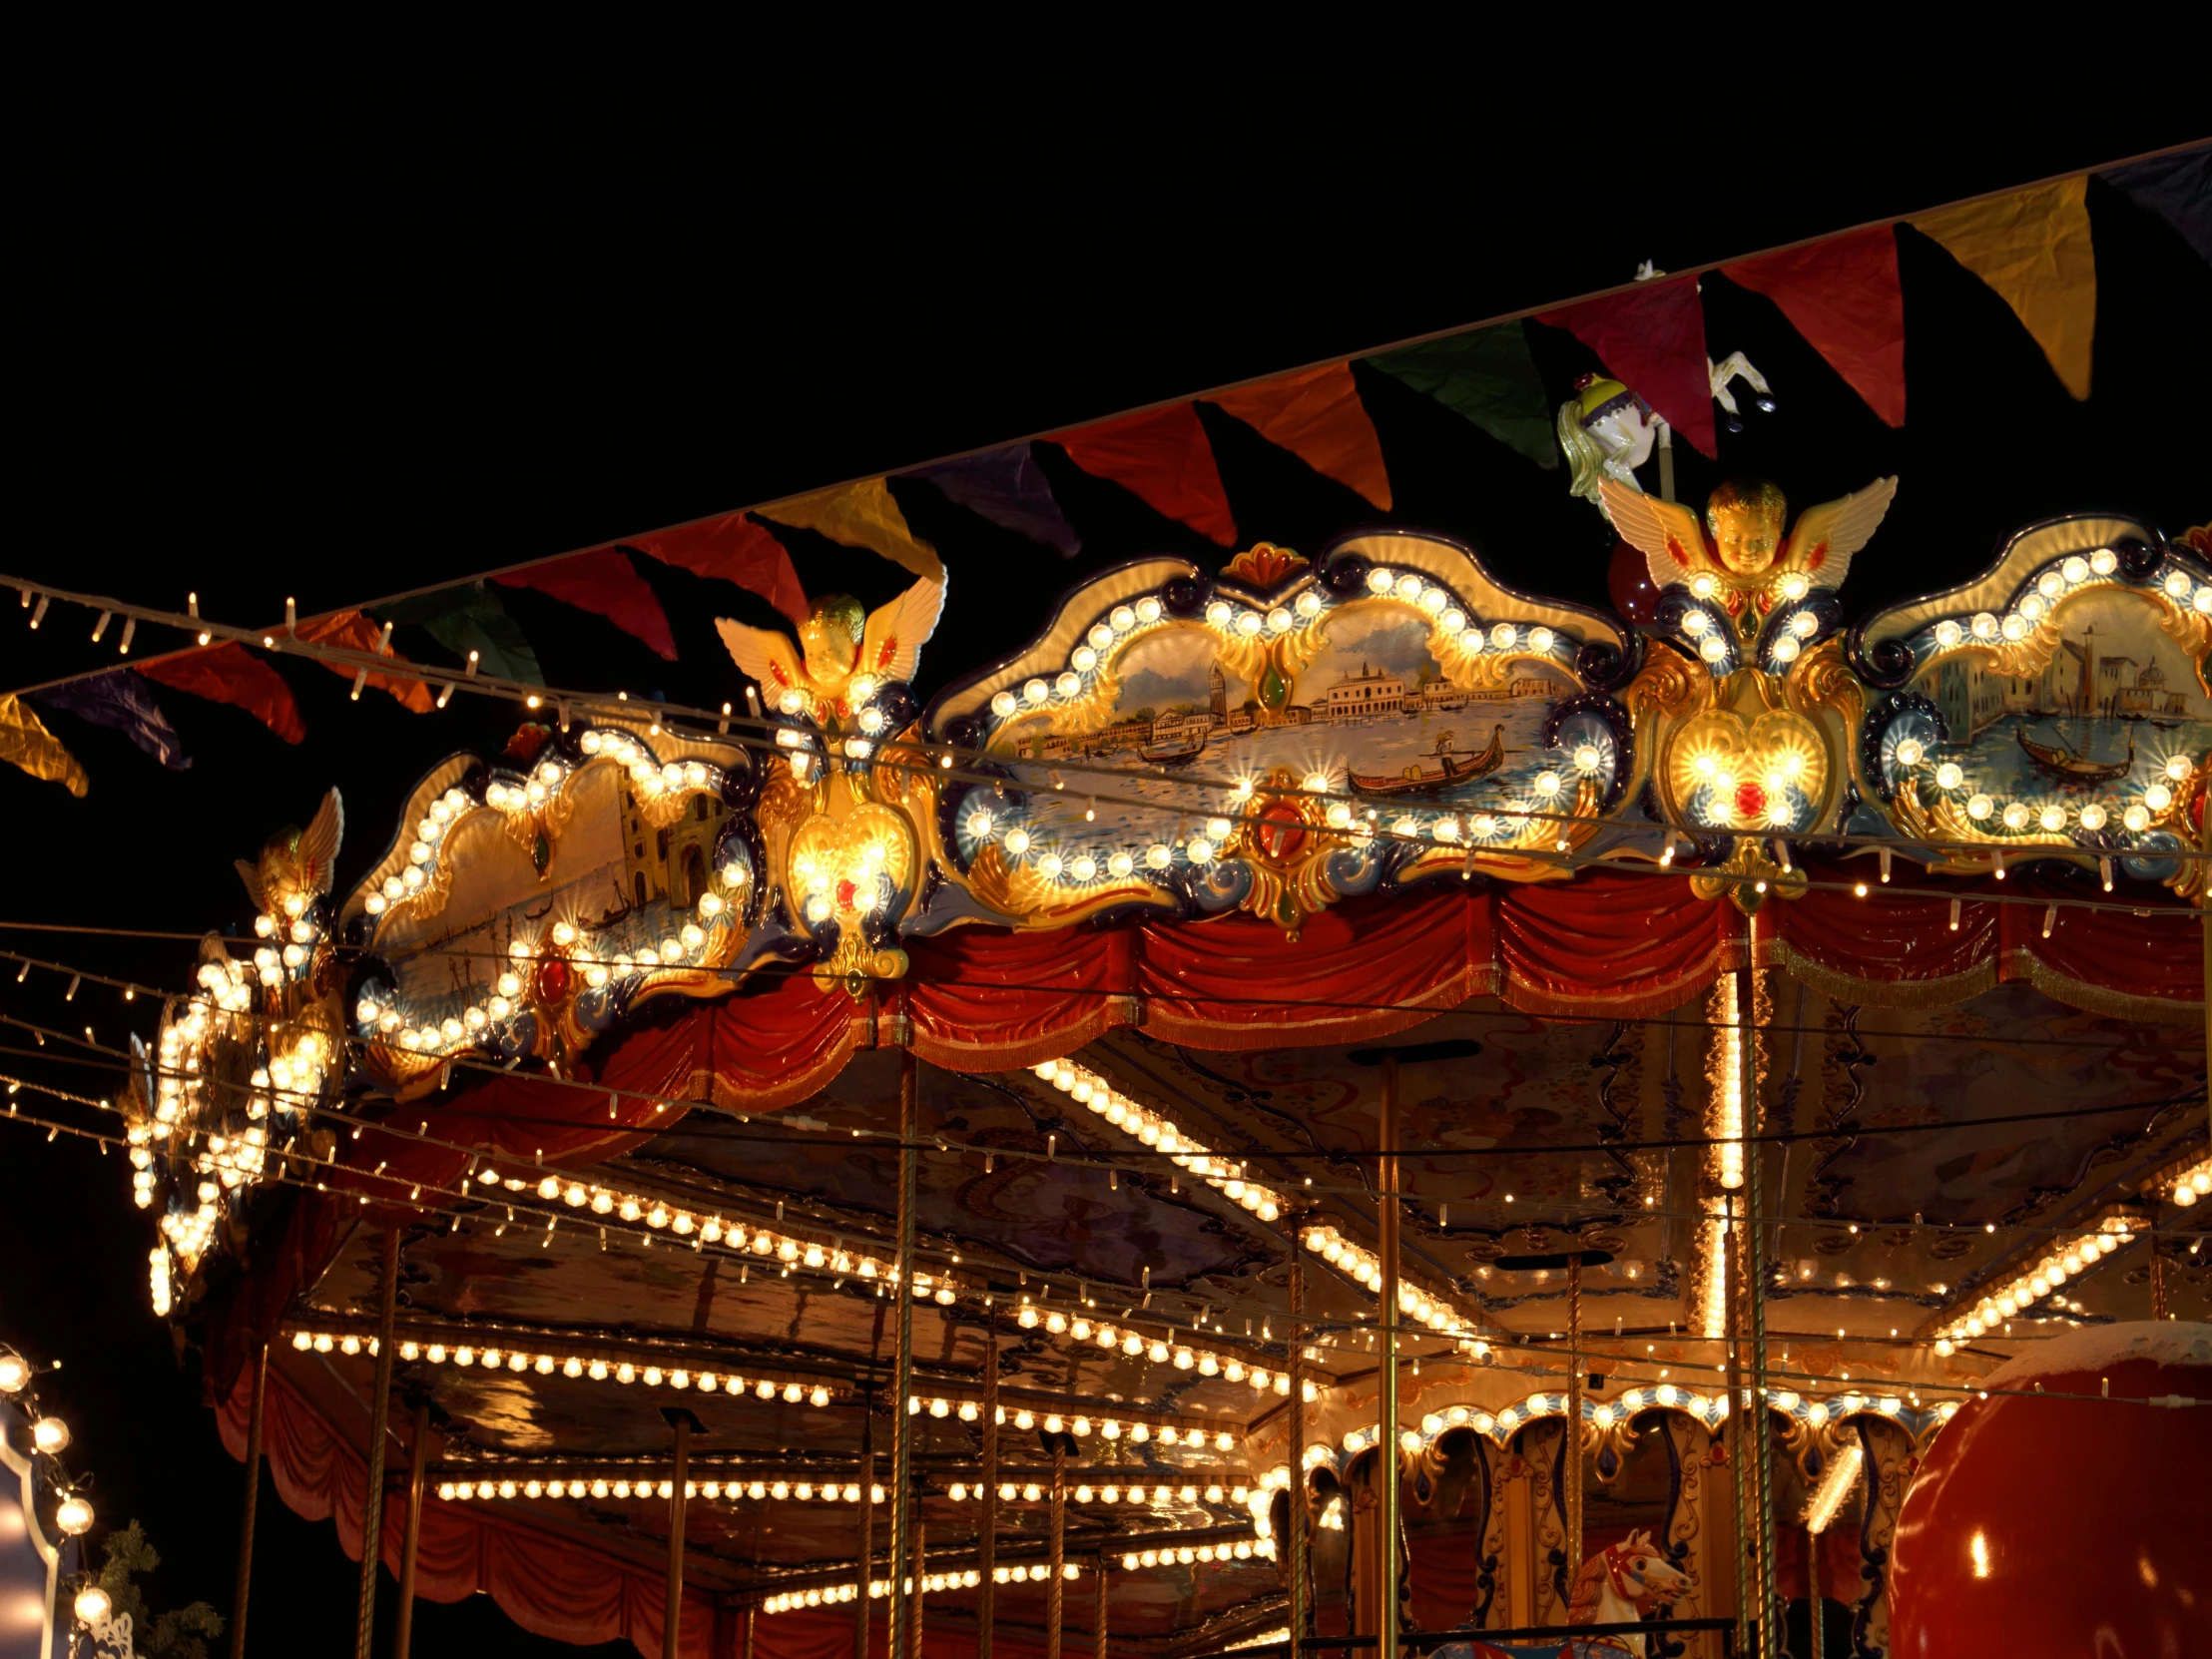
[
  {"x": 1098, "y": 1618},
  {"x": 1760, "y": 1442},
  {"x": 380, "y": 1426},
  {"x": 986, "y": 1555},
  {"x": 1294, "y": 1517},
  {"x": 1813, "y": 1593},
  {"x": 867, "y": 1527},
  {"x": 418, "y": 1465},
  {"x": 1056, "y": 1592},
  {"x": 1666, "y": 460},
  {"x": 1570, "y": 1469},
  {"x": 1387, "y": 1472},
  {"x": 672, "y": 1604},
  {"x": 903, "y": 1531},
  {"x": 239, "y": 1597},
  {"x": 913, "y": 1601},
  {"x": 1739, "y": 1422},
  {"x": 751, "y": 1613},
  {"x": 2204, "y": 876}
]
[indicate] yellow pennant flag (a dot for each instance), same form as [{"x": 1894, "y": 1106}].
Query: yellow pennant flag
[
  {"x": 860, "y": 515},
  {"x": 2033, "y": 247},
  {"x": 25, "y": 742}
]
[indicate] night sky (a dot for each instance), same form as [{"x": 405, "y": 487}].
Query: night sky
[{"x": 245, "y": 370}]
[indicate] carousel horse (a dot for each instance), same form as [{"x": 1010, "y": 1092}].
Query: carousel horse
[{"x": 1619, "y": 1586}]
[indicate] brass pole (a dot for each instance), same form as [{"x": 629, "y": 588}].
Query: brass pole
[
  {"x": 253, "y": 1495},
  {"x": 419, "y": 1462},
  {"x": 1812, "y": 1592},
  {"x": 1056, "y": 1592},
  {"x": 1295, "y": 1514},
  {"x": 903, "y": 1529},
  {"x": 868, "y": 1530},
  {"x": 1386, "y": 1467},
  {"x": 1570, "y": 1466},
  {"x": 380, "y": 1426},
  {"x": 1739, "y": 1420},
  {"x": 913, "y": 1602},
  {"x": 987, "y": 1594},
  {"x": 672, "y": 1603},
  {"x": 1098, "y": 1619},
  {"x": 1760, "y": 1442},
  {"x": 749, "y": 1614},
  {"x": 2204, "y": 845}
]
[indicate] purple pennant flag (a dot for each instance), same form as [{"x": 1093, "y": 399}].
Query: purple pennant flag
[
  {"x": 2178, "y": 188},
  {"x": 119, "y": 698},
  {"x": 1008, "y": 487}
]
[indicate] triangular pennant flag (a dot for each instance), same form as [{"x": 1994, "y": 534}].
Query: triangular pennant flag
[
  {"x": 353, "y": 631},
  {"x": 1484, "y": 375},
  {"x": 1162, "y": 457},
  {"x": 228, "y": 673},
  {"x": 2178, "y": 188},
  {"x": 860, "y": 515},
  {"x": 470, "y": 618},
  {"x": 26, "y": 743},
  {"x": 1651, "y": 338},
  {"x": 2033, "y": 247},
  {"x": 1007, "y": 489},
  {"x": 119, "y": 700},
  {"x": 1842, "y": 296},
  {"x": 1318, "y": 416},
  {"x": 730, "y": 547},
  {"x": 604, "y": 583}
]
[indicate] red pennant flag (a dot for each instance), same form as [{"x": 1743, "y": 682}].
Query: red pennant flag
[
  {"x": 1844, "y": 297},
  {"x": 353, "y": 631},
  {"x": 228, "y": 673},
  {"x": 731, "y": 547},
  {"x": 1318, "y": 416},
  {"x": 1161, "y": 456},
  {"x": 604, "y": 583},
  {"x": 1651, "y": 338}
]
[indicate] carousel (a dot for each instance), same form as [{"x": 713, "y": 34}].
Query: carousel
[{"x": 1325, "y": 1106}]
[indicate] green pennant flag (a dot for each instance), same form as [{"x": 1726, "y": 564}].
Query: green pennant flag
[
  {"x": 1487, "y": 376},
  {"x": 470, "y": 618}
]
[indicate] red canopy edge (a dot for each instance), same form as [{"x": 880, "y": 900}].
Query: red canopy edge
[{"x": 548, "y": 1584}]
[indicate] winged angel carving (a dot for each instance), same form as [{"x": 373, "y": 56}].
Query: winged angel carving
[
  {"x": 1746, "y": 558},
  {"x": 295, "y": 867},
  {"x": 845, "y": 652}
]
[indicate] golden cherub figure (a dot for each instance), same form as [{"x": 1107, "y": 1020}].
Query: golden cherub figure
[
  {"x": 1747, "y": 557},
  {"x": 295, "y": 865},
  {"x": 847, "y": 651}
]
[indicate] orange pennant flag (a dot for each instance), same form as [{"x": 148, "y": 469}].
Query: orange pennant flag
[
  {"x": 355, "y": 631},
  {"x": 1162, "y": 457},
  {"x": 2033, "y": 247},
  {"x": 1318, "y": 416},
  {"x": 25, "y": 742}
]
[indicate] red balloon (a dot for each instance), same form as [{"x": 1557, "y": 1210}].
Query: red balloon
[
  {"x": 1628, "y": 581},
  {"x": 2065, "y": 1526}
]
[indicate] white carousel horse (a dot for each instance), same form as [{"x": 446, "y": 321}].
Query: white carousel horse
[
  {"x": 1623, "y": 1583},
  {"x": 1617, "y": 1585}
]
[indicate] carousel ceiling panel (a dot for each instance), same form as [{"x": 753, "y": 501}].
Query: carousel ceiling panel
[{"x": 2010, "y": 1052}]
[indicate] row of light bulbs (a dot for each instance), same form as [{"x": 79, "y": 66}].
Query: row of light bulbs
[
  {"x": 492, "y": 1356},
  {"x": 1364, "y": 1267},
  {"x": 601, "y": 1486},
  {"x": 1148, "y": 1126},
  {"x": 2026, "y": 1289},
  {"x": 2194, "y": 1183},
  {"x": 50, "y": 1436},
  {"x": 1243, "y": 1549},
  {"x": 623, "y": 1372},
  {"x": 1110, "y": 1429},
  {"x": 1014, "y": 1491},
  {"x": 1987, "y": 627},
  {"x": 2052, "y": 815},
  {"x": 934, "y": 1583}
]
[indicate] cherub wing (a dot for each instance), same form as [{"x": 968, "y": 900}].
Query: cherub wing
[
  {"x": 319, "y": 845},
  {"x": 768, "y": 656},
  {"x": 891, "y": 644},
  {"x": 1828, "y": 535},
  {"x": 1666, "y": 532},
  {"x": 251, "y": 875}
]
